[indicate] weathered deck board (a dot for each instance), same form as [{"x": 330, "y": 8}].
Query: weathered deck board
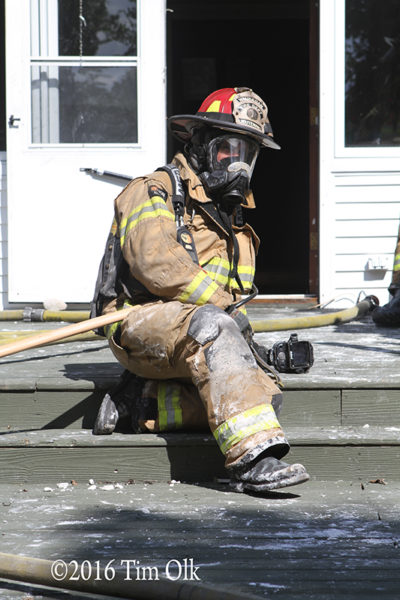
[
  {"x": 335, "y": 540},
  {"x": 328, "y": 452},
  {"x": 337, "y": 536},
  {"x": 356, "y": 354}
]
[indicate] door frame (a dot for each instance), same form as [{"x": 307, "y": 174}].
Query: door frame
[{"x": 313, "y": 275}]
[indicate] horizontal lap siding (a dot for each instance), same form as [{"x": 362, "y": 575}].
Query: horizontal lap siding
[
  {"x": 367, "y": 211},
  {"x": 3, "y": 229}
]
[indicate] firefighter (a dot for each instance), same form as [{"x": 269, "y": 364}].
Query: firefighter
[
  {"x": 389, "y": 314},
  {"x": 184, "y": 339}
]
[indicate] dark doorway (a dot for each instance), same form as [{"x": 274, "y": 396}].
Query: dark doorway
[{"x": 265, "y": 46}]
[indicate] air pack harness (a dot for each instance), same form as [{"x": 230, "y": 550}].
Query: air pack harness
[{"x": 114, "y": 277}]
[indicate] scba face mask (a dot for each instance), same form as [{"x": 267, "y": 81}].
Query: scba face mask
[{"x": 230, "y": 163}]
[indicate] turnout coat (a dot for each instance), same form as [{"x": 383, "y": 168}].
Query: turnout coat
[{"x": 166, "y": 288}]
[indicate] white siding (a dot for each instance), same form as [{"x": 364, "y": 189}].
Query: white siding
[
  {"x": 3, "y": 230},
  {"x": 367, "y": 210}
]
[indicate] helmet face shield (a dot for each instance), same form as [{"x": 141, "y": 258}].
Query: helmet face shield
[{"x": 233, "y": 154}]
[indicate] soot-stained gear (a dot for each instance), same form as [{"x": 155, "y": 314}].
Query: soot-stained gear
[
  {"x": 267, "y": 473},
  {"x": 389, "y": 314}
]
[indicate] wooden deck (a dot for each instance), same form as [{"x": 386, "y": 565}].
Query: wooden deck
[
  {"x": 319, "y": 541},
  {"x": 161, "y": 498}
]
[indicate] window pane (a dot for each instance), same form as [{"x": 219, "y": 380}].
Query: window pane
[
  {"x": 108, "y": 28},
  {"x": 372, "y": 114},
  {"x": 84, "y": 105}
]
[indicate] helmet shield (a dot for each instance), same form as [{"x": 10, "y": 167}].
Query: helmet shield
[{"x": 233, "y": 154}]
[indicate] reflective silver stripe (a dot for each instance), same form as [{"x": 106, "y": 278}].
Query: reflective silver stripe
[
  {"x": 169, "y": 408},
  {"x": 246, "y": 276},
  {"x": 217, "y": 274},
  {"x": 259, "y": 418},
  {"x": 154, "y": 207},
  {"x": 216, "y": 268},
  {"x": 200, "y": 289}
]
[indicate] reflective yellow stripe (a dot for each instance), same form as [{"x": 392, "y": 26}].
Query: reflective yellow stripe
[
  {"x": 152, "y": 208},
  {"x": 169, "y": 408},
  {"x": 246, "y": 274},
  {"x": 396, "y": 265},
  {"x": 111, "y": 329},
  {"x": 259, "y": 418},
  {"x": 214, "y": 106},
  {"x": 200, "y": 290},
  {"x": 218, "y": 269}
]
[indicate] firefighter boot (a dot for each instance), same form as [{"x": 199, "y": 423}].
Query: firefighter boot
[
  {"x": 107, "y": 417},
  {"x": 389, "y": 314},
  {"x": 265, "y": 474},
  {"x": 118, "y": 404}
]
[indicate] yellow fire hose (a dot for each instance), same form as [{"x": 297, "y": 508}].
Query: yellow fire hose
[
  {"x": 38, "y": 314},
  {"x": 343, "y": 316},
  {"x": 8, "y": 336},
  {"x": 54, "y": 335},
  {"x": 42, "y": 572},
  {"x": 25, "y": 340}
]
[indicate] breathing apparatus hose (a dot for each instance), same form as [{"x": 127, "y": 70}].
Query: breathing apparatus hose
[{"x": 60, "y": 574}]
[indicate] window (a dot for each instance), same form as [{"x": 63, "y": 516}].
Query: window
[
  {"x": 84, "y": 72},
  {"x": 372, "y": 75}
]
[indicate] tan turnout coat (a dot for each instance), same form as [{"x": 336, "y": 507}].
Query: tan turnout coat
[{"x": 235, "y": 402}]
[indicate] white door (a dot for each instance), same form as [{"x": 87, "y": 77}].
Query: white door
[{"x": 85, "y": 89}]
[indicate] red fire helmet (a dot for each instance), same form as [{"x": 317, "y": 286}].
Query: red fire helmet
[{"x": 238, "y": 110}]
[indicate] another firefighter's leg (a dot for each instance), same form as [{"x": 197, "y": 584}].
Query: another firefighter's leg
[
  {"x": 238, "y": 396},
  {"x": 389, "y": 314}
]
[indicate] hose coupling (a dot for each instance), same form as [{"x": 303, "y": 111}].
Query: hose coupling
[
  {"x": 30, "y": 314},
  {"x": 373, "y": 302}
]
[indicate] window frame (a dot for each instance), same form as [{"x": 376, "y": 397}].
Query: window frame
[{"x": 341, "y": 150}]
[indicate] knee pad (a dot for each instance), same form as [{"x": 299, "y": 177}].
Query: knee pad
[
  {"x": 228, "y": 349},
  {"x": 207, "y": 323}
]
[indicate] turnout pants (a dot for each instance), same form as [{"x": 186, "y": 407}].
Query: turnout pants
[{"x": 202, "y": 373}]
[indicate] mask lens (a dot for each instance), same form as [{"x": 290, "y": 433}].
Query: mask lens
[{"x": 233, "y": 153}]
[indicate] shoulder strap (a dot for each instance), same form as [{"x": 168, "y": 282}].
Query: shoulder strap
[
  {"x": 178, "y": 193},
  {"x": 183, "y": 235}
]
